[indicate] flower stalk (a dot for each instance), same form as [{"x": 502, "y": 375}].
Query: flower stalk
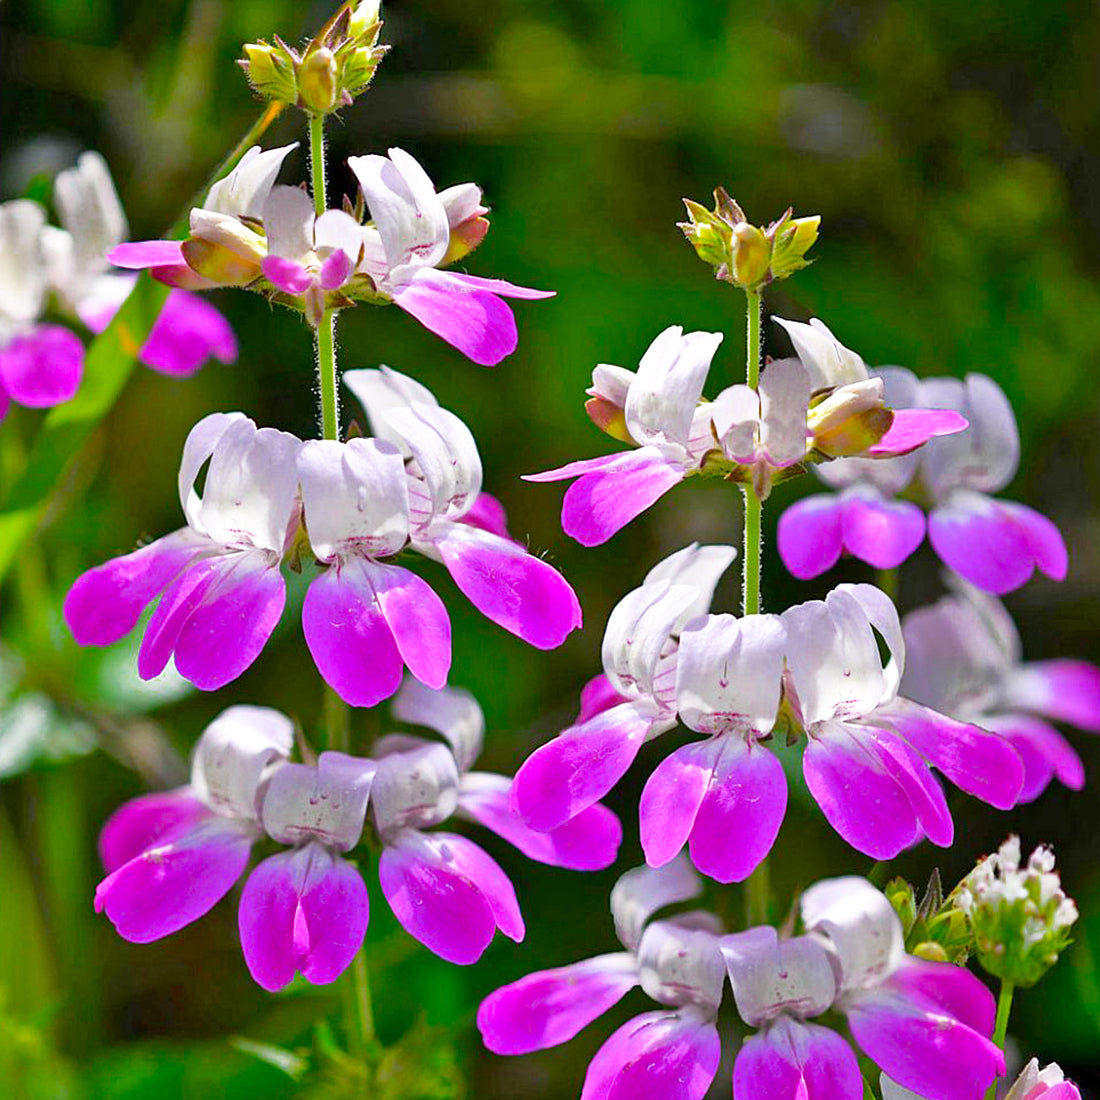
[{"x": 326, "y": 330}]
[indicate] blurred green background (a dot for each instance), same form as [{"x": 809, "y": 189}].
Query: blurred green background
[{"x": 953, "y": 151}]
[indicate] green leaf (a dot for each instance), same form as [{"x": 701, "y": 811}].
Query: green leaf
[
  {"x": 107, "y": 366},
  {"x": 293, "y": 1065}
]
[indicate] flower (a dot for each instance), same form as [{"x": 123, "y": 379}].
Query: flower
[
  {"x": 813, "y": 411},
  {"x": 1049, "y": 1082},
  {"x": 672, "y": 1053},
  {"x": 1020, "y": 916},
  {"x": 868, "y": 748},
  {"x": 171, "y": 857},
  {"x": 635, "y": 703},
  {"x": 253, "y": 234},
  {"x": 965, "y": 660},
  {"x": 993, "y": 544}
]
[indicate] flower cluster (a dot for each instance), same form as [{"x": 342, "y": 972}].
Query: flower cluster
[
  {"x": 415, "y": 485},
  {"x": 251, "y": 232},
  {"x": 42, "y": 363},
  {"x": 926, "y": 1024},
  {"x": 171, "y": 857},
  {"x": 807, "y": 410},
  {"x": 867, "y": 749},
  {"x": 994, "y": 544}
]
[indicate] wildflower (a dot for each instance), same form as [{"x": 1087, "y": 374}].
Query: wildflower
[
  {"x": 445, "y": 890},
  {"x": 868, "y": 748},
  {"x": 1049, "y": 1082},
  {"x": 1020, "y": 916},
  {"x": 637, "y": 703},
  {"x": 673, "y": 1052},
  {"x": 218, "y": 577},
  {"x": 171, "y": 857},
  {"x": 964, "y": 659},
  {"x": 993, "y": 544}
]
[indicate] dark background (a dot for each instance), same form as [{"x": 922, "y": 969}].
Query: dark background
[{"x": 952, "y": 152}]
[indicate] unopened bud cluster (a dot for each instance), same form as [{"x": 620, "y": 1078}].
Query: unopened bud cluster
[
  {"x": 744, "y": 254},
  {"x": 335, "y": 67}
]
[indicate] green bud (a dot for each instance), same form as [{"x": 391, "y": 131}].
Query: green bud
[
  {"x": 933, "y": 952},
  {"x": 751, "y": 256},
  {"x": 317, "y": 80},
  {"x": 902, "y": 898},
  {"x": 1020, "y": 917},
  {"x": 364, "y": 22},
  {"x": 270, "y": 71},
  {"x": 792, "y": 238}
]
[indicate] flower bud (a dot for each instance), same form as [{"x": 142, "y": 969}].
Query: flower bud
[
  {"x": 317, "y": 79},
  {"x": 849, "y": 419},
  {"x": 364, "y": 21},
  {"x": 791, "y": 239},
  {"x": 751, "y": 256},
  {"x": 270, "y": 71},
  {"x": 1019, "y": 916}
]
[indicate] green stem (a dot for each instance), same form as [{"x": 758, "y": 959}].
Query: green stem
[
  {"x": 326, "y": 330},
  {"x": 757, "y": 893},
  {"x": 359, "y": 1015},
  {"x": 753, "y": 313},
  {"x": 317, "y": 162},
  {"x": 1004, "y": 1007},
  {"x": 750, "y": 593},
  {"x": 887, "y": 580}
]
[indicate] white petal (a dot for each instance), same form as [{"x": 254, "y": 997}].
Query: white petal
[
  {"x": 87, "y": 204},
  {"x": 355, "y": 497},
  {"x": 638, "y": 629},
  {"x": 199, "y": 446},
  {"x": 994, "y": 615},
  {"x": 669, "y": 383},
  {"x": 103, "y": 297},
  {"x": 735, "y": 413},
  {"x": 642, "y": 891},
  {"x": 828, "y": 362},
  {"x": 462, "y": 202},
  {"x": 445, "y": 453},
  {"x": 679, "y": 965},
  {"x": 288, "y": 222},
  {"x": 611, "y": 383},
  {"x": 701, "y": 567},
  {"x": 452, "y": 712},
  {"x": 861, "y": 925},
  {"x": 326, "y": 803},
  {"x": 883, "y": 616},
  {"x": 232, "y": 754},
  {"x": 985, "y": 456},
  {"x": 336, "y": 229},
  {"x": 833, "y": 659},
  {"x": 416, "y": 788},
  {"x": 729, "y": 672},
  {"x": 772, "y": 977},
  {"x": 406, "y": 210},
  {"x": 784, "y": 402},
  {"x": 251, "y": 488},
  {"x": 230, "y": 232},
  {"x": 22, "y": 264},
  {"x": 244, "y": 191},
  {"x": 382, "y": 389}
]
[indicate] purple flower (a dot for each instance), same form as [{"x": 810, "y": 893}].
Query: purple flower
[
  {"x": 638, "y": 701},
  {"x": 444, "y": 890},
  {"x": 252, "y": 233},
  {"x": 171, "y": 857},
  {"x": 672, "y": 1053},
  {"x": 218, "y": 577},
  {"x": 824, "y": 406},
  {"x": 965, "y": 660},
  {"x": 993, "y": 544},
  {"x": 867, "y": 748}
]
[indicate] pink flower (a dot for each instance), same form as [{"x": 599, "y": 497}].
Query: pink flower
[
  {"x": 672, "y": 1053},
  {"x": 965, "y": 660},
  {"x": 218, "y": 577}
]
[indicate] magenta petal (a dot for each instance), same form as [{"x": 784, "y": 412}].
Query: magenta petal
[
  {"x": 858, "y": 796},
  {"x": 911, "y": 428},
  {"x": 979, "y": 762},
  {"x": 656, "y": 1056},
  {"x": 551, "y": 1006},
  {"x": 516, "y": 590},
  {"x": 810, "y": 535},
  {"x": 499, "y": 286},
  {"x": 796, "y": 1061},
  {"x": 1048, "y": 548},
  {"x": 288, "y": 275},
  {"x": 925, "y": 794},
  {"x": 169, "y": 886},
  {"x": 1065, "y": 690},
  {"x": 188, "y": 331},
  {"x": 106, "y": 602},
  {"x": 1043, "y": 750},
  {"x": 429, "y": 883},
  {"x": 601, "y": 503},
  {"x": 487, "y": 513},
  {"x": 43, "y": 367},
  {"x": 229, "y": 627},
  {"x": 882, "y": 533},
  {"x": 146, "y": 821},
  {"x": 335, "y": 270},
  {"x": 305, "y": 910},
  {"x": 588, "y": 842},
  {"x": 576, "y": 469},
  {"x": 141, "y": 254},
  {"x": 475, "y": 321},
  {"x": 577, "y": 768},
  {"x": 982, "y": 542},
  {"x": 599, "y": 694},
  {"x": 419, "y": 621}
]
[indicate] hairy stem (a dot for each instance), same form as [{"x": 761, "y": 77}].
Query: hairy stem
[
  {"x": 1004, "y": 1007},
  {"x": 326, "y": 330},
  {"x": 317, "y": 162}
]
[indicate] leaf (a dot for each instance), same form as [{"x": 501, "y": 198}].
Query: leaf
[
  {"x": 293, "y": 1065},
  {"x": 107, "y": 366}
]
